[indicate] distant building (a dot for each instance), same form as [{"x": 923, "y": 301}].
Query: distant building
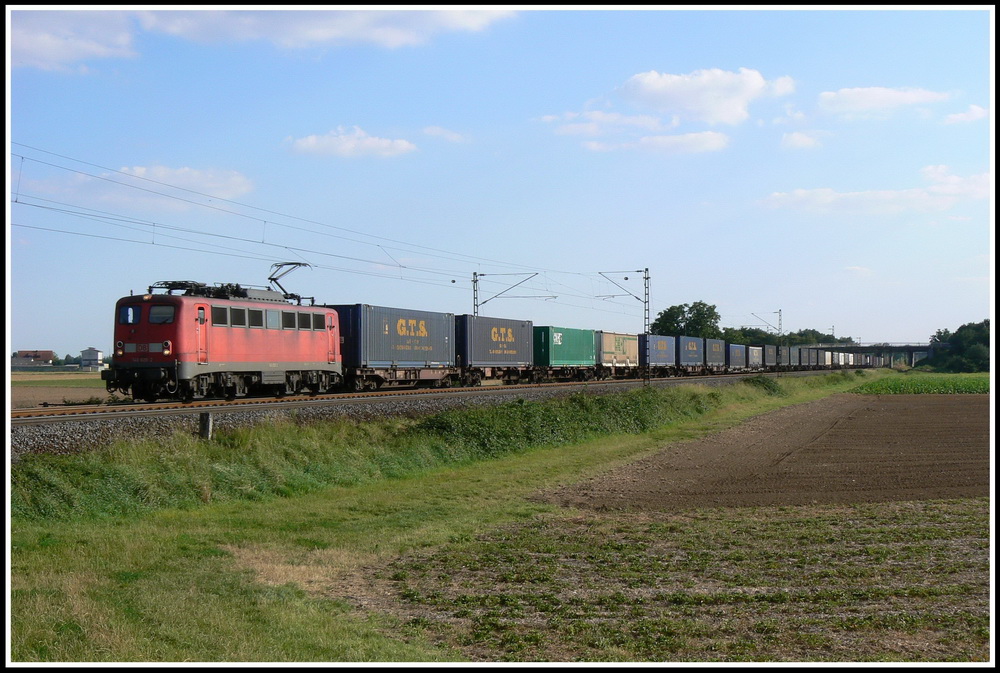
[
  {"x": 91, "y": 357},
  {"x": 33, "y": 359}
]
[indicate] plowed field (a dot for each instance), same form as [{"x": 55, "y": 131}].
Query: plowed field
[{"x": 845, "y": 449}]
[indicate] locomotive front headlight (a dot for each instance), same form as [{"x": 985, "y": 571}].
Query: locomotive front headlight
[
  {"x": 119, "y": 348},
  {"x": 166, "y": 348}
]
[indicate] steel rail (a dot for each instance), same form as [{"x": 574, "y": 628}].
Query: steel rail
[{"x": 55, "y": 414}]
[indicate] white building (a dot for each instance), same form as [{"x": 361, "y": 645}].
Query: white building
[{"x": 91, "y": 357}]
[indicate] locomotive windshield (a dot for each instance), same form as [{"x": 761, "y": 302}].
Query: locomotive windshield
[
  {"x": 161, "y": 315},
  {"x": 130, "y": 314}
]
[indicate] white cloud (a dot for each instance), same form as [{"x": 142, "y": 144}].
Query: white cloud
[
  {"x": 451, "y": 136},
  {"x": 713, "y": 96},
  {"x": 688, "y": 143},
  {"x": 219, "y": 183},
  {"x": 150, "y": 188},
  {"x": 355, "y": 143},
  {"x": 800, "y": 140},
  {"x": 946, "y": 184},
  {"x": 597, "y": 123},
  {"x": 791, "y": 115},
  {"x": 875, "y": 100},
  {"x": 52, "y": 40},
  {"x": 860, "y": 270},
  {"x": 55, "y": 39},
  {"x": 945, "y": 192},
  {"x": 296, "y": 29},
  {"x": 974, "y": 113}
]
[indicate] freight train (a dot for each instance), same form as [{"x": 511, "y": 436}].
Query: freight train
[{"x": 186, "y": 340}]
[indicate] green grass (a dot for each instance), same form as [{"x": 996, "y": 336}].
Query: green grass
[
  {"x": 249, "y": 547},
  {"x": 831, "y": 583},
  {"x": 913, "y": 382},
  {"x": 287, "y": 459}
]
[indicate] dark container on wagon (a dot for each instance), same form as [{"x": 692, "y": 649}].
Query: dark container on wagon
[
  {"x": 690, "y": 352},
  {"x": 736, "y": 357},
  {"x": 657, "y": 351},
  {"x": 715, "y": 354},
  {"x": 381, "y": 337},
  {"x": 493, "y": 342}
]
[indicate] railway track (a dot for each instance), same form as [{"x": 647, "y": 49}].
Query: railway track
[
  {"x": 62, "y": 413},
  {"x": 67, "y": 413}
]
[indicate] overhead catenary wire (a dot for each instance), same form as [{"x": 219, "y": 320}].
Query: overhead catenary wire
[{"x": 161, "y": 227}]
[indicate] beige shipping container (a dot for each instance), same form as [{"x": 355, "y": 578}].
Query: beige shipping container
[{"x": 617, "y": 350}]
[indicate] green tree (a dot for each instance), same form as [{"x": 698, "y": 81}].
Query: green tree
[
  {"x": 967, "y": 349},
  {"x": 697, "y": 319},
  {"x": 941, "y": 336},
  {"x": 750, "y": 336}
]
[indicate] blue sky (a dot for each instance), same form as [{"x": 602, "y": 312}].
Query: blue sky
[{"x": 835, "y": 165}]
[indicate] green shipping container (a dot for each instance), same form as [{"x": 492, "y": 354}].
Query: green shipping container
[{"x": 564, "y": 347}]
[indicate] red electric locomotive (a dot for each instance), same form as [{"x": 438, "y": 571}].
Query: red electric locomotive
[{"x": 221, "y": 341}]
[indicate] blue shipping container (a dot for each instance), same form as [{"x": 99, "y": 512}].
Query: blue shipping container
[
  {"x": 378, "y": 336},
  {"x": 493, "y": 342},
  {"x": 690, "y": 352},
  {"x": 715, "y": 353},
  {"x": 736, "y": 357},
  {"x": 661, "y": 350}
]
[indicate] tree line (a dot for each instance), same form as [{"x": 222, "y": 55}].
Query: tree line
[
  {"x": 967, "y": 349},
  {"x": 700, "y": 319}
]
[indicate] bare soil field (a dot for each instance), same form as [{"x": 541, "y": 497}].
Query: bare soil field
[
  {"x": 646, "y": 564},
  {"x": 844, "y": 449},
  {"x": 25, "y": 397}
]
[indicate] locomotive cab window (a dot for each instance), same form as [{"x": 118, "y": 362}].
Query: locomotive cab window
[
  {"x": 220, "y": 316},
  {"x": 256, "y": 317},
  {"x": 129, "y": 315},
  {"x": 238, "y": 317},
  {"x": 319, "y": 321},
  {"x": 161, "y": 315}
]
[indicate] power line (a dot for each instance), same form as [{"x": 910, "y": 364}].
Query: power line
[{"x": 155, "y": 227}]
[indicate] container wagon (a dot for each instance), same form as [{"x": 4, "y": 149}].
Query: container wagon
[
  {"x": 715, "y": 355},
  {"x": 736, "y": 358},
  {"x": 690, "y": 355},
  {"x": 564, "y": 353},
  {"x": 617, "y": 354},
  {"x": 770, "y": 358},
  {"x": 755, "y": 358},
  {"x": 658, "y": 355},
  {"x": 784, "y": 357},
  {"x": 396, "y": 346},
  {"x": 493, "y": 349}
]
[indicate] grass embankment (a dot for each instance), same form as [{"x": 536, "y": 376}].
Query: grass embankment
[{"x": 240, "y": 549}]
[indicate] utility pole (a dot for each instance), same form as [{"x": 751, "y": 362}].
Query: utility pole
[
  {"x": 645, "y": 313},
  {"x": 475, "y": 289}
]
